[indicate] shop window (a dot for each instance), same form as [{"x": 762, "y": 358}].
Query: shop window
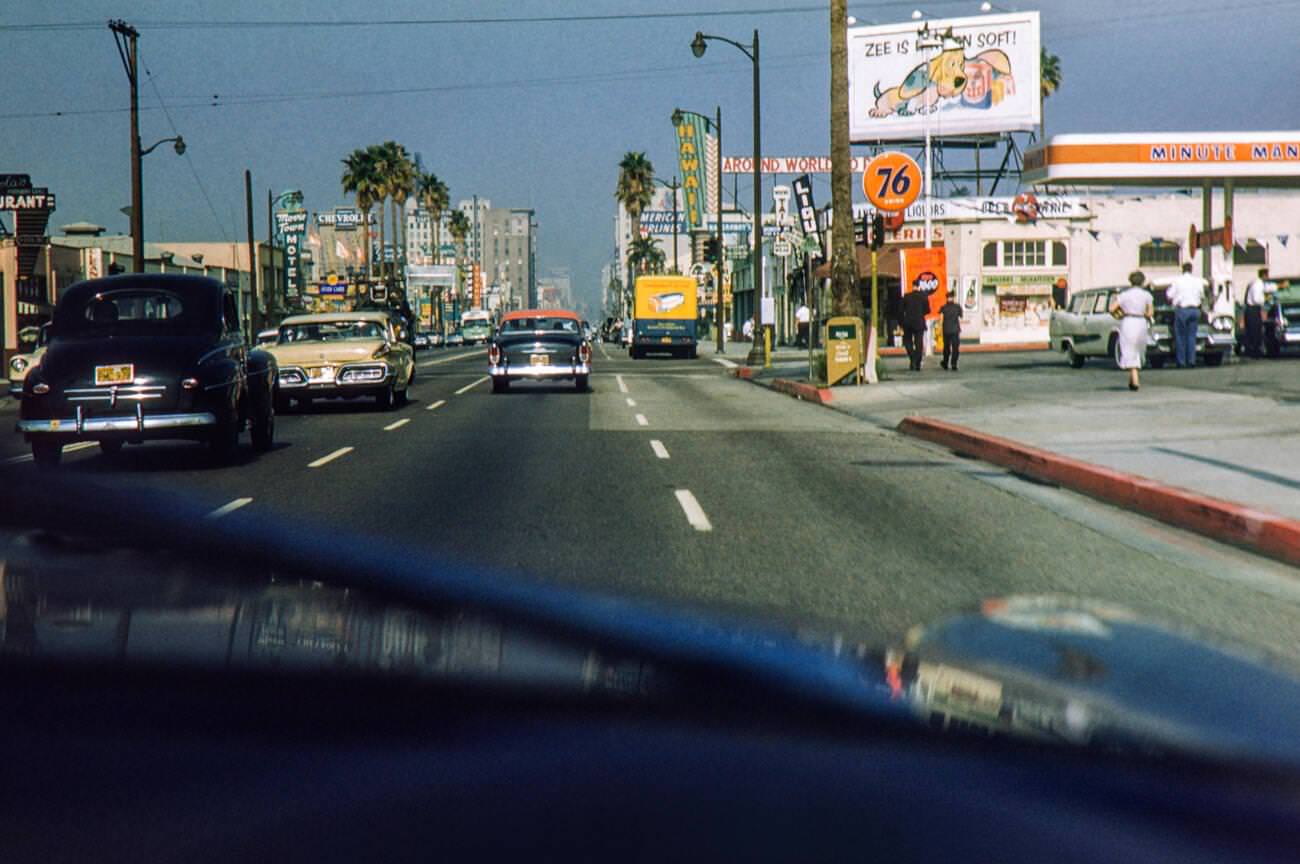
[
  {"x": 1253, "y": 253},
  {"x": 990, "y": 254},
  {"x": 1159, "y": 255},
  {"x": 1058, "y": 254},
  {"x": 1024, "y": 253}
]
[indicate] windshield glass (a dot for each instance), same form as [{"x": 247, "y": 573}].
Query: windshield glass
[
  {"x": 330, "y": 331},
  {"x": 865, "y": 363}
]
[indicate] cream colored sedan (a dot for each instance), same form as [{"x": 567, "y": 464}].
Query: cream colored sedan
[{"x": 342, "y": 355}]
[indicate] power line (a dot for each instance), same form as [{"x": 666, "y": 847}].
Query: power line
[{"x": 193, "y": 170}]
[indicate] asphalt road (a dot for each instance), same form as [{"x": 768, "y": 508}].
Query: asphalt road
[{"x": 674, "y": 482}]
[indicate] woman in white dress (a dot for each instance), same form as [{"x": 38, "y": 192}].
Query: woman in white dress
[{"x": 1135, "y": 308}]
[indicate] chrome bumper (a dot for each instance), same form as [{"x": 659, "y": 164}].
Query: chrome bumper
[
  {"x": 1224, "y": 340},
  {"x": 552, "y": 371},
  {"x": 138, "y": 423}
]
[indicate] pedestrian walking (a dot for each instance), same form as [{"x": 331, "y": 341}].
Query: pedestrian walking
[
  {"x": 916, "y": 305},
  {"x": 1256, "y": 295},
  {"x": 1134, "y": 307},
  {"x": 950, "y": 312},
  {"x": 1186, "y": 294},
  {"x": 802, "y": 317}
]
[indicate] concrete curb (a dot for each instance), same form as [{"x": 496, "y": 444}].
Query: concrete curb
[
  {"x": 1258, "y": 530},
  {"x": 803, "y": 390},
  {"x": 978, "y": 348}
]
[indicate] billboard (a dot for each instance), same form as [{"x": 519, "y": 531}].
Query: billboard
[
  {"x": 926, "y": 270},
  {"x": 984, "y": 79}
]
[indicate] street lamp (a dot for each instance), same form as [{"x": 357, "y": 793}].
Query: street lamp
[
  {"x": 674, "y": 185},
  {"x": 178, "y": 144},
  {"x": 926, "y": 40},
  {"x": 698, "y": 46}
]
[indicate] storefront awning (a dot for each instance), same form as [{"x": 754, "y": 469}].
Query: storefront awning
[
  {"x": 886, "y": 261},
  {"x": 1254, "y": 160}
]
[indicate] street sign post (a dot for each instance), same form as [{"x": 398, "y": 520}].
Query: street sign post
[{"x": 781, "y": 247}]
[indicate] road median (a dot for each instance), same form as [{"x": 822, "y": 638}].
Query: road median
[{"x": 1226, "y": 521}]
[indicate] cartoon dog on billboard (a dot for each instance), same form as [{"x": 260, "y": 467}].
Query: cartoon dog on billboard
[{"x": 979, "y": 82}]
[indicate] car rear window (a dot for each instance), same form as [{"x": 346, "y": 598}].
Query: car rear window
[
  {"x": 133, "y": 306},
  {"x": 330, "y": 331},
  {"x": 542, "y": 323}
]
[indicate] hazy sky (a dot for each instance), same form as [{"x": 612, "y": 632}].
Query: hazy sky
[{"x": 539, "y": 114}]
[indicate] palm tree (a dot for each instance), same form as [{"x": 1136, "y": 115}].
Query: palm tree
[
  {"x": 844, "y": 260},
  {"x": 382, "y": 169},
  {"x": 458, "y": 225},
  {"x": 402, "y": 187},
  {"x": 635, "y": 189},
  {"x": 645, "y": 256},
  {"x": 360, "y": 179},
  {"x": 435, "y": 197},
  {"x": 1050, "y": 82}
]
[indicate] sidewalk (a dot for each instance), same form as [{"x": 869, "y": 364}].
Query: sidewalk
[{"x": 1239, "y": 442}]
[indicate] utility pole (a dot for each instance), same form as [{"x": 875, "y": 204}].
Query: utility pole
[
  {"x": 126, "y": 38},
  {"x": 255, "y": 317},
  {"x": 270, "y": 250}
]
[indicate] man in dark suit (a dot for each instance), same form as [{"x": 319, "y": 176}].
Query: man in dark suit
[{"x": 916, "y": 305}]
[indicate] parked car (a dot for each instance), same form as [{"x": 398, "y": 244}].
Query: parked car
[
  {"x": 268, "y": 337},
  {"x": 435, "y": 339},
  {"x": 421, "y": 340},
  {"x": 1085, "y": 328},
  {"x": 144, "y": 356},
  {"x": 538, "y": 345},
  {"x": 1281, "y": 318},
  {"x": 455, "y": 339},
  {"x": 343, "y": 355},
  {"x": 21, "y": 364}
]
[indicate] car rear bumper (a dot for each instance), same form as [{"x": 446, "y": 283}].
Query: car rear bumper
[
  {"x": 568, "y": 370},
  {"x": 137, "y": 423}
]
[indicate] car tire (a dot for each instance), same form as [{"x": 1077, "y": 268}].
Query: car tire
[
  {"x": 281, "y": 404},
  {"x": 1215, "y": 358},
  {"x": 263, "y": 431},
  {"x": 580, "y": 382},
  {"x": 1113, "y": 350},
  {"x": 1157, "y": 362},
  {"x": 386, "y": 399},
  {"x": 47, "y": 454},
  {"x": 111, "y": 447},
  {"x": 693, "y": 353},
  {"x": 1272, "y": 347},
  {"x": 303, "y": 402},
  {"x": 1076, "y": 360},
  {"x": 223, "y": 442},
  {"x": 500, "y": 385}
]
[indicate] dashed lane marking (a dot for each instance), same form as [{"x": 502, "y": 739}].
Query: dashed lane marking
[
  {"x": 427, "y": 363},
  {"x": 641, "y": 421},
  {"x": 622, "y": 385},
  {"x": 436, "y": 405},
  {"x": 631, "y": 403},
  {"x": 658, "y": 446},
  {"x": 227, "y": 509},
  {"x": 69, "y": 448},
  {"x": 330, "y": 457},
  {"x": 725, "y": 362},
  {"x": 397, "y": 424},
  {"x": 694, "y": 512},
  {"x": 471, "y": 386}
]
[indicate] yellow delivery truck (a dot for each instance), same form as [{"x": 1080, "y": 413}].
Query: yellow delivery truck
[{"x": 665, "y": 316}]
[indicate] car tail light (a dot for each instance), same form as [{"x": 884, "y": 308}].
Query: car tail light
[
  {"x": 41, "y": 389},
  {"x": 190, "y": 384},
  {"x": 494, "y": 354},
  {"x": 584, "y": 353}
]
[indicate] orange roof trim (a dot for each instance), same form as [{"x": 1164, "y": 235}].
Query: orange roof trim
[{"x": 540, "y": 313}]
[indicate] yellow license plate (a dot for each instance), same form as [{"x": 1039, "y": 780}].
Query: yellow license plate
[
  {"x": 122, "y": 373},
  {"x": 321, "y": 373},
  {"x": 667, "y": 340},
  {"x": 539, "y": 359}
]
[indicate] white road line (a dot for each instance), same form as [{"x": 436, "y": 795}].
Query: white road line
[
  {"x": 427, "y": 363},
  {"x": 641, "y": 421},
  {"x": 226, "y": 509},
  {"x": 694, "y": 512},
  {"x": 437, "y": 404},
  {"x": 725, "y": 362},
  {"x": 631, "y": 403},
  {"x": 397, "y": 424},
  {"x": 471, "y": 385},
  {"x": 70, "y": 448},
  {"x": 330, "y": 457},
  {"x": 622, "y": 385},
  {"x": 658, "y": 446},
  {"x": 603, "y": 352}
]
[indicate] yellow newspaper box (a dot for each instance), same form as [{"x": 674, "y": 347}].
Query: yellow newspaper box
[{"x": 843, "y": 350}]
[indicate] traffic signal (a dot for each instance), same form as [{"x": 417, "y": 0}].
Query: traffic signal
[
  {"x": 877, "y": 230},
  {"x": 711, "y": 250}
]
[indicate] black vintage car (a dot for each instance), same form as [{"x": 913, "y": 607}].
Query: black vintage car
[
  {"x": 147, "y": 356},
  {"x": 539, "y": 345}
]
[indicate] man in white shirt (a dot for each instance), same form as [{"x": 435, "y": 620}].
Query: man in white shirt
[
  {"x": 802, "y": 316},
  {"x": 1186, "y": 294},
  {"x": 1256, "y": 297}
]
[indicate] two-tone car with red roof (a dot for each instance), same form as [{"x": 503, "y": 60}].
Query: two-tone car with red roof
[{"x": 539, "y": 345}]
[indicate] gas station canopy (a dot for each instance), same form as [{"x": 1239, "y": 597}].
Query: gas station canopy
[{"x": 1245, "y": 159}]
